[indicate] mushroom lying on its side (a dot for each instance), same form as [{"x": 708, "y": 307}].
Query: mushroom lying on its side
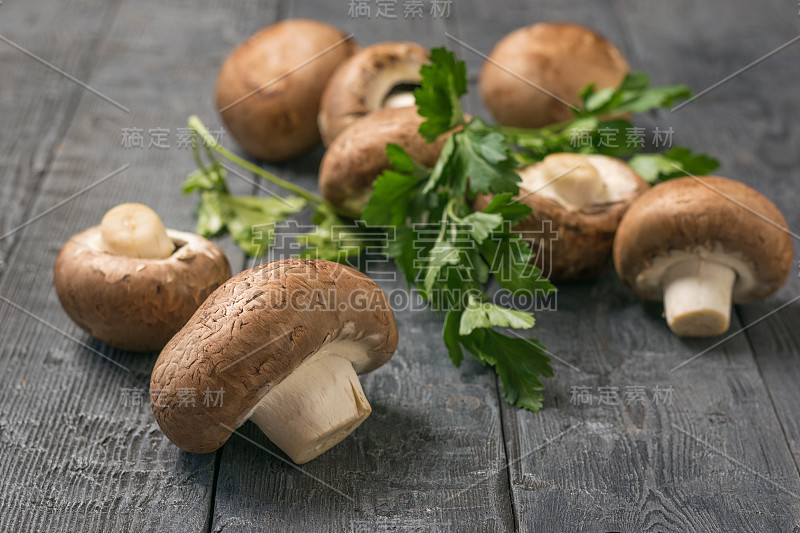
[
  {"x": 285, "y": 341},
  {"x": 535, "y": 73},
  {"x": 358, "y": 155},
  {"x": 701, "y": 244},
  {"x": 269, "y": 88},
  {"x": 133, "y": 284},
  {"x": 379, "y": 76},
  {"x": 577, "y": 202}
]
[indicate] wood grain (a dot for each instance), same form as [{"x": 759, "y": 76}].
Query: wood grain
[
  {"x": 38, "y": 103},
  {"x": 431, "y": 455},
  {"x": 706, "y": 461},
  {"x": 441, "y": 451},
  {"x": 82, "y": 451}
]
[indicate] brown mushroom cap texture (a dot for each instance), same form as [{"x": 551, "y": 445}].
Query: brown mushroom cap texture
[
  {"x": 269, "y": 88},
  {"x": 256, "y": 329},
  {"x": 583, "y": 237},
  {"x": 556, "y": 58},
  {"x": 362, "y": 83},
  {"x": 358, "y": 155},
  {"x": 131, "y": 303},
  {"x": 692, "y": 213}
]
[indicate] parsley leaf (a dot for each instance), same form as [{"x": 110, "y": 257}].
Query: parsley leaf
[
  {"x": 438, "y": 97},
  {"x": 486, "y": 159},
  {"x": 519, "y": 362},
  {"x": 249, "y": 219},
  {"x": 452, "y": 337},
  {"x": 674, "y": 163},
  {"x": 509, "y": 208},
  {"x": 487, "y": 315}
]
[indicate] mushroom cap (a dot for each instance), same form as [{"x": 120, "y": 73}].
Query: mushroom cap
[
  {"x": 714, "y": 218},
  {"x": 558, "y": 58},
  {"x": 358, "y": 155},
  {"x": 131, "y": 303},
  {"x": 269, "y": 88},
  {"x": 582, "y": 237},
  {"x": 362, "y": 83},
  {"x": 253, "y": 331}
]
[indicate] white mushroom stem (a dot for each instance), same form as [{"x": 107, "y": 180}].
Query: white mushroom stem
[
  {"x": 574, "y": 178},
  {"x": 313, "y": 409},
  {"x": 403, "y": 99},
  {"x": 697, "y": 297},
  {"x": 400, "y": 95},
  {"x": 135, "y": 230}
]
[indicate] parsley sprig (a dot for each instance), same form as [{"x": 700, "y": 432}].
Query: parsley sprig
[
  {"x": 444, "y": 247},
  {"x": 251, "y": 220},
  {"x": 448, "y": 250},
  {"x": 602, "y": 125}
]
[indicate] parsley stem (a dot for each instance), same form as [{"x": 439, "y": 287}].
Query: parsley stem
[
  {"x": 449, "y": 211},
  {"x": 197, "y": 126}
]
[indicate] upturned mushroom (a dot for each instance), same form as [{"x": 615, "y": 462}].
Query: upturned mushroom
[
  {"x": 269, "y": 88},
  {"x": 577, "y": 202},
  {"x": 131, "y": 283},
  {"x": 358, "y": 155},
  {"x": 536, "y": 73},
  {"x": 285, "y": 341},
  {"x": 700, "y": 245},
  {"x": 378, "y": 76}
]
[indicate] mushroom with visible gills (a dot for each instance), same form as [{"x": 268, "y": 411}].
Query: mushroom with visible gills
[
  {"x": 285, "y": 341},
  {"x": 379, "y": 76},
  {"x": 702, "y": 244},
  {"x": 131, "y": 283},
  {"x": 577, "y": 202},
  {"x": 358, "y": 155},
  {"x": 535, "y": 73},
  {"x": 269, "y": 88}
]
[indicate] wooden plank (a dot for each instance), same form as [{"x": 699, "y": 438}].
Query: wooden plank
[
  {"x": 38, "y": 103},
  {"x": 82, "y": 450},
  {"x": 434, "y": 430},
  {"x": 712, "y": 459},
  {"x": 751, "y": 132}
]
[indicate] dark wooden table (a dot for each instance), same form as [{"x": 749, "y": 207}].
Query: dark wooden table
[{"x": 710, "y": 446}]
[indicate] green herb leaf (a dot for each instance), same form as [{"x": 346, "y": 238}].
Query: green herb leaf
[
  {"x": 487, "y": 315},
  {"x": 210, "y": 214},
  {"x": 438, "y": 97},
  {"x": 251, "y": 219},
  {"x": 519, "y": 362},
  {"x": 388, "y": 204},
  {"x": 675, "y": 163},
  {"x": 452, "y": 338},
  {"x": 442, "y": 254},
  {"x": 486, "y": 159},
  {"x": 481, "y": 224},
  {"x": 510, "y": 259},
  {"x": 508, "y": 208},
  {"x": 333, "y": 239}
]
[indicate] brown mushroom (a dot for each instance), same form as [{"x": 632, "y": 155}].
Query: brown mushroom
[
  {"x": 378, "y": 76},
  {"x": 133, "y": 284},
  {"x": 536, "y": 73},
  {"x": 577, "y": 202},
  {"x": 358, "y": 155},
  {"x": 269, "y": 88},
  {"x": 285, "y": 341},
  {"x": 701, "y": 244}
]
